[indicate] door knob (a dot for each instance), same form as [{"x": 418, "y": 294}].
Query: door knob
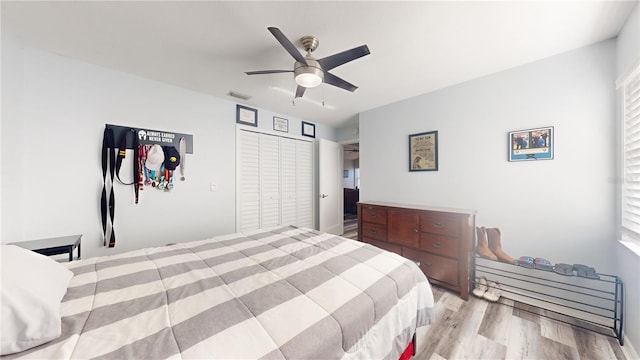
[{"x": 324, "y": 196}]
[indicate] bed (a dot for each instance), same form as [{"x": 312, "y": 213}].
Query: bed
[{"x": 281, "y": 293}]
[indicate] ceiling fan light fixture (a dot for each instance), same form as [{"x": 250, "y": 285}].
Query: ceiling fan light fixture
[
  {"x": 309, "y": 72},
  {"x": 310, "y": 75},
  {"x": 308, "y": 80}
]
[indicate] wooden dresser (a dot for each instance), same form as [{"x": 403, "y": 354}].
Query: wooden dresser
[{"x": 440, "y": 240}]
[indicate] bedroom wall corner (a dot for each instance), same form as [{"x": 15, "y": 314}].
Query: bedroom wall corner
[{"x": 561, "y": 209}]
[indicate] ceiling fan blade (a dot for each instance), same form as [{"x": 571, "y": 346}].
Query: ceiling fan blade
[
  {"x": 300, "y": 91},
  {"x": 288, "y": 45},
  {"x": 267, "y": 72},
  {"x": 331, "y": 79},
  {"x": 344, "y": 57}
]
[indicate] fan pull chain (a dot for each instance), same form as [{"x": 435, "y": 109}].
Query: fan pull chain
[
  {"x": 322, "y": 93},
  {"x": 293, "y": 101}
]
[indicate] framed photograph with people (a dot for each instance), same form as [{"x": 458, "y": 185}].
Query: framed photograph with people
[
  {"x": 423, "y": 151},
  {"x": 531, "y": 144}
]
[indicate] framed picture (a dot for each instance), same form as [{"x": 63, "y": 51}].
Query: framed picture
[
  {"x": 246, "y": 115},
  {"x": 345, "y": 174},
  {"x": 531, "y": 144},
  {"x": 308, "y": 129},
  {"x": 280, "y": 124},
  {"x": 423, "y": 151}
]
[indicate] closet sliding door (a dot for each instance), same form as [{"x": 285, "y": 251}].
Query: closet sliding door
[
  {"x": 270, "y": 180},
  {"x": 288, "y": 181},
  {"x": 248, "y": 181},
  {"x": 304, "y": 184},
  {"x": 275, "y": 181}
]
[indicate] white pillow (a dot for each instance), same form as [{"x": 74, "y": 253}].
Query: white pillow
[{"x": 32, "y": 287}]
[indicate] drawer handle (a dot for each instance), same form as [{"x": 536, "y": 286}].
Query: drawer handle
[
  {"x": 437, "y": 244},
  {"x": 373, "y": 231},
  {"x": 374, "y": 214},
  {"x": 415, "y": 230},
  {"x": 427, "y": 264},
  {"x": 438, "y": 225}
]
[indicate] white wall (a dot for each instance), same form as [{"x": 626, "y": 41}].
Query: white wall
[
  {"x": 561, "y": 209},
  {"x": 628, "y": 50},
  {"x": 53, "y": 116},
  {"x": 348, "y": 134},
  {"x": 11, "y": 107},
  {"x": 628, "y": 55}
]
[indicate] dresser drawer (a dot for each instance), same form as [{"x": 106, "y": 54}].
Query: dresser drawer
[
  {"x": 384, "y": 245},
  {"x": 443, "y": 225},
  {"x": 374, "y": 214},
  {"x": 435, "y": 267},
  {"x": 439, "y": 244},
  {"x": 374, "y": 231}
]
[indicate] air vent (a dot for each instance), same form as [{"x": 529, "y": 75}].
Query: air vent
[{"x": 239, "y": 95}]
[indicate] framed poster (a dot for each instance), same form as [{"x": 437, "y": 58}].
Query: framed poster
[
  {"x": 531, "y": 144},
  {"x": 280, "y": 124},
  {"x": 423, "y": 151},
  {"x": 308, "y": 129},
  {"x": 246, "y": 115}
]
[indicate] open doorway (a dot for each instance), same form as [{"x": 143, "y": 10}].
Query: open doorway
[{"x": 351, "y": 184}]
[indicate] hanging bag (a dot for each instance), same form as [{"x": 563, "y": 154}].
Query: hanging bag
[
  {"x": 112, "y": 165},
  {"x": 108, "y": 206}
]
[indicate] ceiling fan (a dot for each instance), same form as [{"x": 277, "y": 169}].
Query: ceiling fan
[{"x": 309, "y": 72}]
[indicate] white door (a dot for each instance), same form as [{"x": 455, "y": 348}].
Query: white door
[
  {"x": 304, "y": 184},
  {"x": 288, "y": 181},
  {"x": 330, "y": 187},
  {"x": 275, "y": 182},
  {"x": 248, "y": 215},
  {"x": 270, "y": 180}
]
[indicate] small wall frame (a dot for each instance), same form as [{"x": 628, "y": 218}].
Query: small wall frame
[
  {"x": 280, "y": 124},
  {"x": 308, "y": 129},
  {"x": 423, "y": 151},
  {"x": 531, "y": 144},
  {"x": 246, "y": 115}
]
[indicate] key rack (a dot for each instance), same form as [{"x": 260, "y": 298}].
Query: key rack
[{"x": 593, "y": 304}]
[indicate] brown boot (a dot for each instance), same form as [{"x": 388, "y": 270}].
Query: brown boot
[
  {"x": 495, "y": 245},
  {"x": 482, "y": 249}
]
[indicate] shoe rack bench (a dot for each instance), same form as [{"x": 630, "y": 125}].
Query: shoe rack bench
[{"x": 592, "y": 304}]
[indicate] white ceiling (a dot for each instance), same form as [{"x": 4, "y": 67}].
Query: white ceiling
[{"x": 416, "y": 47}]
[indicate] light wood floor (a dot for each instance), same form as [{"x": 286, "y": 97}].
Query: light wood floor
[
  {"x": 350, "y": 226},
  {"x": 478, "y": 329}
]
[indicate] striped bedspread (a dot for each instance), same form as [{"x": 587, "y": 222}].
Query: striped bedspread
[{"x": 286, "y": 293}]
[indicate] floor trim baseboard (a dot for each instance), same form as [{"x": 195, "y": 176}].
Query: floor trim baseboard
[{"x": 628, "y": 350}]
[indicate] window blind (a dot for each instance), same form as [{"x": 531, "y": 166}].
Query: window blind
[{"x": 631, "y": 154}]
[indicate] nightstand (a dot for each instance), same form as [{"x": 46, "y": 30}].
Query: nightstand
[{"x": 53, "y": 246}]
